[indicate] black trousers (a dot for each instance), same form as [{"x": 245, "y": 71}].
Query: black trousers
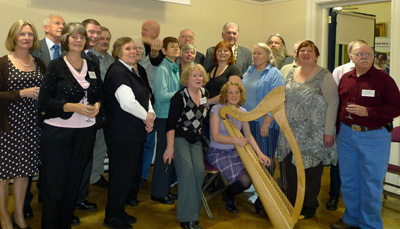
[
  {"x": 136, "y": 182},
  {"x": 313, "y": 182},
  {"x": 64, "y": 153},
  {"x": 123, "y": 162},
  {"x": 161, "y": 181}
]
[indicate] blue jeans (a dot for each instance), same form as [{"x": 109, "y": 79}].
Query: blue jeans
[
  {"x": 148, "y": 151},
  {"x": 363, "y": 161}
]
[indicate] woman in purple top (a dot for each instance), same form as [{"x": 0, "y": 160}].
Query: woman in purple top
[{"x": 222, "y": 153}]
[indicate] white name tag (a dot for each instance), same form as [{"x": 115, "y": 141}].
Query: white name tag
[
  {"x": 203, "y": 101},
  {"x": 368, "y": 93},
  {"x": 92, "y": 75}
]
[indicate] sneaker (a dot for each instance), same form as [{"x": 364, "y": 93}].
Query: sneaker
[
  {"x": 252, "y": 199},
  {"x": 251, "y": 189}
]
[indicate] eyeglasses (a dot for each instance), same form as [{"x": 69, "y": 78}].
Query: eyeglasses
[
  {"x": 360, "y": 54},
  {"x": 187, "y": 36}
]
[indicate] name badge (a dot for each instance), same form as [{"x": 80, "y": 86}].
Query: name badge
[
  {"x": 92, "y": 75},
  {"x": 203, "y": 101},
  {"x": 368, "y": 93}
]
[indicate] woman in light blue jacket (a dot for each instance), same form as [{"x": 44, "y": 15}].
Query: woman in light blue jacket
[
  {"x": 166, "y": 84},
  {"x": 259, "y": 80}
]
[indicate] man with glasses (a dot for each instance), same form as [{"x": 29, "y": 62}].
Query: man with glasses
[
  {"x": 187, "y": 36},
  {"x": 242, "y": 56},
  {"x": 369, "y": 100}
]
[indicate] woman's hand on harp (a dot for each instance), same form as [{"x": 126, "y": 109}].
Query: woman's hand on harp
[
  {"x": 242, "y": 141},
  {"x": 264, "y": 160}
]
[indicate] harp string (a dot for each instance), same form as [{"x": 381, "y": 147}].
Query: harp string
[{"x": 256, "y": 163}]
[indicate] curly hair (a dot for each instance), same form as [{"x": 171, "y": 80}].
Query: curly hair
[
  {"x": 224, "y": 91},
  {"x": 189, "y": 70}
]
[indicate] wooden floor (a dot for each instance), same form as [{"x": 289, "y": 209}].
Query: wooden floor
[{"x": 151, "y": 214}]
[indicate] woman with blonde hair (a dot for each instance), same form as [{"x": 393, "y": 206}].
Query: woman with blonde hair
[
  {"x": 187, "y": 110},
  {"x": 20, "y": 78},
  {"x": 222, "y": 153}
]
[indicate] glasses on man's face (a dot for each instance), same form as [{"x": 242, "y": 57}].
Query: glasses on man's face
[
  {"x": 360, "y": 54},
  {"x": 187, "y": 36}
]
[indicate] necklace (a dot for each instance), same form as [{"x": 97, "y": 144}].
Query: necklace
[
  {"x": 26, "y": 65},
  {"x": 77, "y": 69}
]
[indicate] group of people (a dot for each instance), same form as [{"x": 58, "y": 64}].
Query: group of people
[{"x": 65, "y": 103}]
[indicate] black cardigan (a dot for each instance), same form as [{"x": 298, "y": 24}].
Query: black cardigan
[
  {"x": 59, "y": 87},
  {"x": 8, "y": 97}
]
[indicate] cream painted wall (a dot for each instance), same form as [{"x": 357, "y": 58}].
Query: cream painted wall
[
  {"x": 286, "y": 18},
  {"x": 381, "y": 10},
  {"x": 125, "y": 17}
]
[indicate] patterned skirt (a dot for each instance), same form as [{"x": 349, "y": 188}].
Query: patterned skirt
[{"x": 228, "y": 162}]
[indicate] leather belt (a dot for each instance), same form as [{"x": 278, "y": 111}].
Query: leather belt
[{"x": 358, "y": 128}]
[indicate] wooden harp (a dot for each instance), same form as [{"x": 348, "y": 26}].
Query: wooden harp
[{"x": 280, "y": 211}]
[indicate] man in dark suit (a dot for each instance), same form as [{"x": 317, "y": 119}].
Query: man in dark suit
[
  {"x": 49, "y": 48},
  {"x": 243, "y": 57},
  {"x": 93, "y": 30},
  {"x": 187, "y": 36}
]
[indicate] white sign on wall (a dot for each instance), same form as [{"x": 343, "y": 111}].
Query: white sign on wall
[
  {"x": 183, "y": 2},
  {"x": 382, "y": 44}
]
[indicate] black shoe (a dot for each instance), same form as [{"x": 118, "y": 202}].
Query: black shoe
[
  {"x": 190, "y": 225},
  {"x": 15, "y": 225},
  {"x": 165, "y": 200},
  {"x": 86, "y": 206},
  {"x": 259, "y": 207},
  {"x": 143, "y": 183},
  {"x": 116, "y": 223},
  {"x": 133, "y": 203},
  {"x": 341, "y": 225},
  {"x": 308, "y": 212},
  {"x": 129, "y": 219},
  {"x": 230, "y": 204},
  {"x": 75, "y": 221},
  {"x": 332, "y": 203},
  {"x": 28, "y": 213},
  {"x": 102, "y": 182},
  {"x": 172, "y": 196}
]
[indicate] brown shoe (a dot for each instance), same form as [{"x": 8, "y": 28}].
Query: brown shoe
[{"x": 341, "y": 225}]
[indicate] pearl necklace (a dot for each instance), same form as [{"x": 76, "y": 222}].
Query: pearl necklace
[{"x": 26, "y": 65}]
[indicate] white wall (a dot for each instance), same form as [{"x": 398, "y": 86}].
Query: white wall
[{"x": 125, "y": 17}]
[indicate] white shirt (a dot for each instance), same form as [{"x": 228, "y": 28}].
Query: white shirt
[
  {"x": 126, "y": 99},
  {"x": 341, "y": 70},
  {"x": 51, "y": 49}
]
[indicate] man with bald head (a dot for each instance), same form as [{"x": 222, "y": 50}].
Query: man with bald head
[
  {"x": 369, "y": 100},
  {"x": 152, "y": 49},
  {"x": 187, "y": 36},
  {"x": 242, "y": 56}
]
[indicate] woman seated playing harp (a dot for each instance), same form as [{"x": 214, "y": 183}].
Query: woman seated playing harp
[{"x": 222, "y": 153}]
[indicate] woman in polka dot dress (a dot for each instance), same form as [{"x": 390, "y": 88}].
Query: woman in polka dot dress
[{"x": 20, "y": 79}]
